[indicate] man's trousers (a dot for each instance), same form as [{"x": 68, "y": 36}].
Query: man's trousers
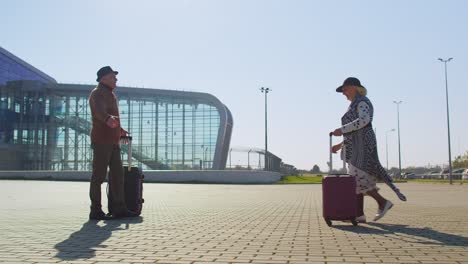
[{"x": 107, "y": 155}]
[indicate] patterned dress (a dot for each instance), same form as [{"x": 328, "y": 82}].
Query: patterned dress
[{"x": 360, "y": 147}]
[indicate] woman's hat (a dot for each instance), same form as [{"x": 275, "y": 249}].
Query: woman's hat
[{"x": 353, "y": 81}]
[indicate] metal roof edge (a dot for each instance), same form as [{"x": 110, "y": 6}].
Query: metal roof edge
[{"x": 27, "y": 65}]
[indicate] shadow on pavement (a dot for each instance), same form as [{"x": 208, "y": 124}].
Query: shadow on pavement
[
  {"x": 82, "y": 244},
  {"x": 405, "y": 233}
]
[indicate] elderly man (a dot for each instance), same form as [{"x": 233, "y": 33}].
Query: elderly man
[{"x": 105, "y": 136}]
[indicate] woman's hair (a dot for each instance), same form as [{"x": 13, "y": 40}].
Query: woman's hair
[{"x": 361, "y": 90}]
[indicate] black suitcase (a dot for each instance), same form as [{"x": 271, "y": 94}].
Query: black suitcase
[{"x": 133, "y": 184}]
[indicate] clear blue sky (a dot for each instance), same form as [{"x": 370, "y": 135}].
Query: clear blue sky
[{"x": 302, "y": 50}]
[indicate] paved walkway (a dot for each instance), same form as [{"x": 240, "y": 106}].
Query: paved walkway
[{"x": 46, "y": 222}]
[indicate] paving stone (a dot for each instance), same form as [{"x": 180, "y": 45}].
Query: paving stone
[{"x": 46, "y": 222}]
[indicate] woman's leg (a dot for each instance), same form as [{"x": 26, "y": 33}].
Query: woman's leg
[
  {"x": 360, "y": 204},
  {"x": 378, "y": 198},
  {"x": 359, "y": 192},
  {"x": 384, "y": 204}
]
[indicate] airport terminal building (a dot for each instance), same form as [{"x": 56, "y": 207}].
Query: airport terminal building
[{"x": 45, "y": 125}]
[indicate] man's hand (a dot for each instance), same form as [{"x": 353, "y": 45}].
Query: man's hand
[
  {"x": 337, "y": 132},
  {"x": 123, "y": 133},
  {"x": 113, "y": 122}
]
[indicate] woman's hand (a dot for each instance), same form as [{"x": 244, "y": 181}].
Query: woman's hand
[
  {"x": 337, "y": 147},
  {"x": 337, "y": 132}
]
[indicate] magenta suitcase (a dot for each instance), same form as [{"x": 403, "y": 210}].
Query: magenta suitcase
[{"x": 339, "y": 196}]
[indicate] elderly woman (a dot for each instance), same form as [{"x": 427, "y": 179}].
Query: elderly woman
[{"x": 359, "y": 148}]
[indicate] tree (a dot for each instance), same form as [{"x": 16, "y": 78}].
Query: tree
[
  {"x": 315, "y": 169},
  {"x": 461, "y": 161}
]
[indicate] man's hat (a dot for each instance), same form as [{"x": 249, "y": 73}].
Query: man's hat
[
  {"x": 104, "y": 71},
  {"x": 349, "y": 81}
]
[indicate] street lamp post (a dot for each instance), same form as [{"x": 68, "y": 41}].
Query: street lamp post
[
  {"x": 266, "y": 91},
  {"x": 205, "y": 157},
  {"x": 399, "y": 145},
  {"x": 202, "y": 159},
  {"x": 248, "y": 159},
  {"x": 386, "y": 144},
  {"x": 230, "y": 160},
  {"x": 448, "y": 118}
]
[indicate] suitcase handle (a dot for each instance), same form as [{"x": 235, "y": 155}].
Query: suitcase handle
[
  {"x": 129, "y": 138},
  {"x": 339, "y": 175},
  {"x": 331, "y": 154}
]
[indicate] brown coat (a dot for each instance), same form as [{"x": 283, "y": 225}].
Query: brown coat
[{"x": 103, "y": 104}]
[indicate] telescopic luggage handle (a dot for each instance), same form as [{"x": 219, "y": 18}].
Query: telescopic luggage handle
[
  {"x": 126, "y": 137},
  {"x": 129, "y": 138}
]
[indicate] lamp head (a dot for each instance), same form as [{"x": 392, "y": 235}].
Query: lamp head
[{"x": 265, "y": 90}]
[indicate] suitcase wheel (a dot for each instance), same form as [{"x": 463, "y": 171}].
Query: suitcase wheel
[
  {"x": 328, "y": 221},
  {"x": 354, "y": 222}
]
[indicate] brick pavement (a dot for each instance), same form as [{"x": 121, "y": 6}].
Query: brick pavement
[{"x": 46, "y": 222}]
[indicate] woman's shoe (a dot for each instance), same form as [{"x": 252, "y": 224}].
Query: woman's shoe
[
  {"x": 382, "y": 212},
  {"x": 361, "y": 219}
]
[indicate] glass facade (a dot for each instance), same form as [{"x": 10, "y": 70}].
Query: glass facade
[
  {"x": 46, "y": 126},
  {"x": 177, "y": 134},
  {"x": 49, "y": 127}
]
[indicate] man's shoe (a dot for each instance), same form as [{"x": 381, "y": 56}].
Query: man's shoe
[
  {"x": 361, "y": 219},
  {"x": 99, "y": 216},
  {"x": 126, "y": 213},
  {"x": 382, "y": 212}
]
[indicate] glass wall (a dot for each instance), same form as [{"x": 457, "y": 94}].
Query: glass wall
[
  {"x": 51, "y": 125},
  {"x": 46, "y": 126},
  {"x": 170, "y": 133}
]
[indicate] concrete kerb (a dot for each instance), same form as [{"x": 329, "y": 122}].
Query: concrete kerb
[{"x": 199, "y": 176}]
